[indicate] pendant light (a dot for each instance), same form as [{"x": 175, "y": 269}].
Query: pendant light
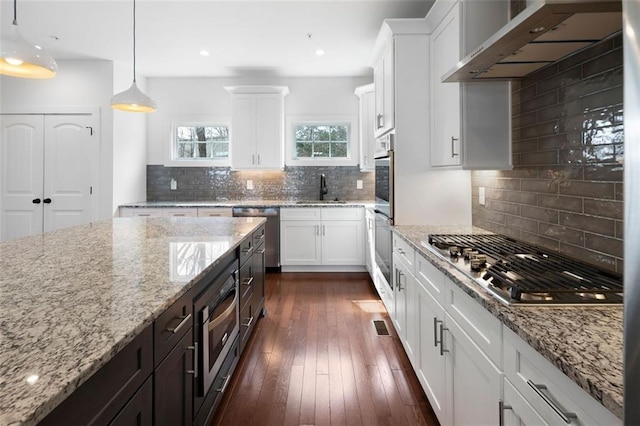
[
  {"x": 132, "y": 99},
  {"x": 19, "y": 58}
]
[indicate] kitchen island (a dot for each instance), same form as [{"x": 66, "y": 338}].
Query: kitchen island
[
  {"x": 70, "y": 300},
  {"x": 584, "y": 343}
]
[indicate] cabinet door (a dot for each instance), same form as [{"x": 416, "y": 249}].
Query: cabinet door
[
  {"x": 378, "y": 83},
  {"x": 430, "y": 360},
  {"x": 243, "y": 132},
  {"x": 367, "y": 139},
  {"x": 269, "y": 131},
  {"x": 445, "y": 97},
  {"x": 389, "y": 89},
  {"x": 139, "y": 409},
  {"x": 343, "y": 242},
  {"x": 173, "y": 390},
  {"x": 370, "y": 253},
  {"x": 180, "y": 212},
  {"x": 400, "y": 278},
  {"x": 215, "y": 212},
  {"x": 473, "y": 382},
  {"x": 300, "y": 242},
  {"x": 140, "y": 212}
]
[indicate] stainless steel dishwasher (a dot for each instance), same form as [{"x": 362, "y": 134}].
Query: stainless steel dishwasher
[{"x": 272, "y": 230}]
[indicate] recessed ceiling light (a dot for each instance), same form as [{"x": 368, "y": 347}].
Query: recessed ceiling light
[
  {"x": 537, "y": 30},
  {"x": 204, "y": 53},
  {"x": 320, "y": 52}
]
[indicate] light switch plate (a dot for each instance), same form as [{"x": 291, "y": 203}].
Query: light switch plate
[
  {"x": 481, "y": 196},
  {"x": 358, "y": 184},
  {"x": 249, "y": 184}
]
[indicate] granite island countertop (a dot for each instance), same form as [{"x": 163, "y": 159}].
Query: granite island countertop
[
  {"x": 585, "y": 343},
  {"x": 71, "y": 299}
]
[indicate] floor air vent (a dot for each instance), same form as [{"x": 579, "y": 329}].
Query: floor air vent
[{"x": 381, "y": 328}]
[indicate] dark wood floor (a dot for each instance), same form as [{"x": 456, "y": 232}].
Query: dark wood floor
[{"x": 316, "y": 359}]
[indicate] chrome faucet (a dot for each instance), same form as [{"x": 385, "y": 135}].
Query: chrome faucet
[{"x": 323, "y": 186}]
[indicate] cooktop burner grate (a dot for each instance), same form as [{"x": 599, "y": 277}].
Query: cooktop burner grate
[{"x": 519, "y": 272}]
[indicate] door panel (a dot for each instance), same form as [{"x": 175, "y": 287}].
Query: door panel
[
  {"x": 21, "y": 177},
  {"x": 67, "y": 169}
]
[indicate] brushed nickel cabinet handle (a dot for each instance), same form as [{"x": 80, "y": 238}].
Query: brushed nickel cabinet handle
[
  {"x": 183, "y": 322},
  {"x": 566, "y": 417},
  {"x": 224, "y": 385},
  {"x": 442, "y": 330},
  {"x": 453, "y": 152},
  {"x": 501, "y": 408},
  {"x": 247, "y": 281},
  {"x": 248, "y": 324},
  {"x": 194, "y": 348}
]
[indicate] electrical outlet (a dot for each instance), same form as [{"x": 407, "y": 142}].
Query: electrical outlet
[
  {"x": 174, "y": 184},
  {"x": 358, "y": 184},
  {"x": 249, "y": 184},
  {"x": 481, "y": 196}
]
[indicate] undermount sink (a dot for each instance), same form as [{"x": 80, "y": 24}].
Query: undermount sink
[{"x": 320, "y": 202}]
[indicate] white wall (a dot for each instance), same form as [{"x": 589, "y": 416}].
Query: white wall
[
  {"x": 205, "y": 98},
  {"x": 129, "y": 144},
  {"x": 77, "y": 84}
]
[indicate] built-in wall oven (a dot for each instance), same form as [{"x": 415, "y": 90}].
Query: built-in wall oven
[
  {"x": 384, "y": 206},
  {"x": 217, "y": 326}
]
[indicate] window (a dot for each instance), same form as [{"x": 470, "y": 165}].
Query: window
[
  {"x": 201, "y": 142},
  {"x": 329, "y": 140}
]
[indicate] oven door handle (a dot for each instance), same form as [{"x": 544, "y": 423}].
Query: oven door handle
[{"x": 232, "y": 307}]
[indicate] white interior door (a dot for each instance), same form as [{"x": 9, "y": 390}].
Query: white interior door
[
  {"x": 68, "y": 156},
  {"x": 21, "y": 175}
]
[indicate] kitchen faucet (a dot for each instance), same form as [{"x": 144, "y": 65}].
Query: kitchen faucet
[{"x": 323, "y": 186}]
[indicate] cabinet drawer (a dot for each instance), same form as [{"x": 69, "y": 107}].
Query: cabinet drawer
[
  {"x": 140, "y": 212},
  {"x": 258, "y": 236},
  {"x": 139, "y": 409},
  {"x": 248, "y": 317},
  {"x": 301, "y": 213},
  {"x": 431, "y": 278},
  {"x": 404, "y": 251},
  {"x": 188, "y": 212},
  {"x": 343, "y": 213},
  {"x": 172, "y": 325},
  {"x": 482, "y": 327},
  {"x": 246, "y": 250},
  {"x": 246, "y": 282},
  {"x": 548, "y": 390},
  {"x": 215, "y": 212},
  {"x": 100, "y": 398}
]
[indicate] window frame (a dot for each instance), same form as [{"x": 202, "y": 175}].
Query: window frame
[
  {"x": 353, "y": 145},
  {"x": 170, "y": 155}
]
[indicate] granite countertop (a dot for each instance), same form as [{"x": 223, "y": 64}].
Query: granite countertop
[
  {"x": 249, "y": 203},
  {"x": 71, "y": 299},
  {"x": 585, "y": 343}
]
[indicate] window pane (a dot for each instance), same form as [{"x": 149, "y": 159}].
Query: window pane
[
  {"x": 185, "y": 150},
  {"x": 303, "y": 133},
  {"x": 321, "y": 133},
  {"x": 202, "y": 142},
  {"x": 304, "y": 150},
  {"x": 321, "y": 149},
  {"x": 339, "y": 150},
  {"x": 219, "y": 150},
  {"x": 339, "y": 133}
]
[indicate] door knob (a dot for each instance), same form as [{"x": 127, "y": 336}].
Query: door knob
[
  {"x": 47, "y": 201},
  {"x": 36, "y": 201}
]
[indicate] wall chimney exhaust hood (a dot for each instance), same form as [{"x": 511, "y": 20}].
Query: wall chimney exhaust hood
[{"x": 544, "y": 32}]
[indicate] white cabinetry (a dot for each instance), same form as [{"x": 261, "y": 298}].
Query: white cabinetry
[
  {"x": 257, "y": 127},
  {"x": 321, "y": 236},
  {"x": 366, "y": 96},
  {"x": 140, "y": 212},
  {"x": 550, "y": 395},
  {"x": 383, "y": 80},
  {"x": 470, "y": 121},
  {"x": 180, "y": 212},
  {"x": 215, "y": 212},
  {"x": 370, "y": 242}
]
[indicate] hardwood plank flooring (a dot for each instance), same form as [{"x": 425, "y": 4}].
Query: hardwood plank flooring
[{"x": 316, "y": 359}]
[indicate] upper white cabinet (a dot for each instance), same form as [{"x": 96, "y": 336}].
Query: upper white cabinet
[
  {"x": 257, "y": 127},
  {"x": 383, "y": 80},
  {"x": 471, "y": 122},
  {"x": 366, "y": 95}
]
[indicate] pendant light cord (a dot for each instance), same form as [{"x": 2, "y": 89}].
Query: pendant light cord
[
  {"x": 134, "y": 40},
  {"x": 15, "y": 12}
]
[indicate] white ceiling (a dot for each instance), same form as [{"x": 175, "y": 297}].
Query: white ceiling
[{"x": 242, "y": 36}]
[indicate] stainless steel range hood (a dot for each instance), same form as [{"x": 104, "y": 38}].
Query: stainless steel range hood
[{"x": 543, "y": 33}]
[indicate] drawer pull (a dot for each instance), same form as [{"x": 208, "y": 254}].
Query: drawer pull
[
  {"x": 247, "y": 281},
  {"x": 566, "y": 417},
  {"x": 436, "y": 321},
  {"x": 400, "y": 250},
  {"x": 442, "y": 330},
  {"x": 224, "y": 385},
  {"x": 184, "y": 322},
  {"x": 501, "y": 408},
  {"x": 247, "y": 250},
  {"x": 248, "y": 324}
]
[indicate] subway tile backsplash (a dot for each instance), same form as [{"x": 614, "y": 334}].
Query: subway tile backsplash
[
  {"x": 565, "y": 190},
  {"x": 221, "y": 183}
]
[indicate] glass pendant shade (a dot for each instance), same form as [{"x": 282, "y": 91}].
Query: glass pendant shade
[
  {"x": 18, "y": 58},
  {"x": 133, "y": 100}
]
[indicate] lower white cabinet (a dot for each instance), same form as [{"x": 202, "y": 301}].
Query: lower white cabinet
[
  {"x": 405, "y": 314},
  {"x": 140, "y": 212},
  {"x": 516, "y": 411},
  {"x": 370, "y": 242},
  {"x": 474, "y": 383},
  {"x": 215, "y": 212},
  {"x": 322, "y": 237}
]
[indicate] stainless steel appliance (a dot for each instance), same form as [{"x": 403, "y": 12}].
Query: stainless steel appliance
[
  {"x": 217, "y": 326},
  {"x": 272, "y": 231},
  {"x": 384, "y": 205},
  {"x": 518, "y": 273}
]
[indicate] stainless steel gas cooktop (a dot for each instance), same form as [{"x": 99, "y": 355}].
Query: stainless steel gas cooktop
[{"x": 521, "y": 273}]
